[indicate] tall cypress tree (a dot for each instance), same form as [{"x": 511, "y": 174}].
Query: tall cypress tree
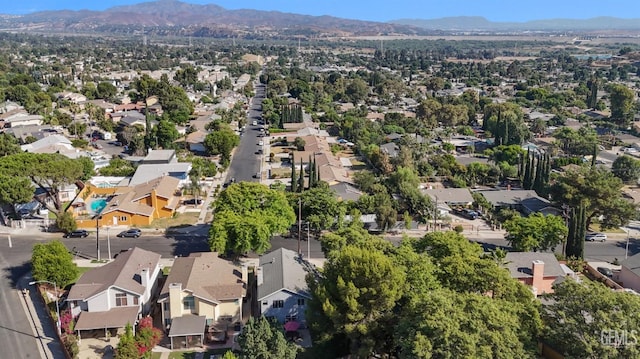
[
  {"x": 301, "y": 179},
  {"x": 312, "y": 176},
  {"x": 526, "y": 181},
  {"x": 294, "y": 178},
  {"x": 537, "y": 179},
  {"x": 577, "y": 232},
  {"x": 594, "y": 155}
]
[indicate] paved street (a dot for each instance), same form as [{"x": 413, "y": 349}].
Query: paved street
[{"x": 245, "y": 163}]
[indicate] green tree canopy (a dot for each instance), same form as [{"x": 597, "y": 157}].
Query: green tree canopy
[
  {"x": 8, "y": 144},
  {"x": 584, "y": 318},
  {"x": 626, "y": 168},
  {"x": 246, "y": 215},
  {"x": 535, "y": 232},
  {"x": 263, "y": 339},
  {"x": 599, "y": 190},
  {"x": 49, "y": 171},
  {"x": 221, "y": 142},
  {"x": 53, "y": 262}
]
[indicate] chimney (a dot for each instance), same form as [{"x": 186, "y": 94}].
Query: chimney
[
  {"x": 537, "y": 269},
  {"x": 259, "y": 276},
  {"x": 144, "y": 278},
  {"x": 244, "y": 274}
]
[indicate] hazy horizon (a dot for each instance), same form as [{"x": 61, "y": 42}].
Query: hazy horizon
[{"x": 379, "y": 10}]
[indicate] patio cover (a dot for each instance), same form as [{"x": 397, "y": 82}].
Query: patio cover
[
  {"x": 187, "y": 325},
  {"x": 114, "y": 318}
]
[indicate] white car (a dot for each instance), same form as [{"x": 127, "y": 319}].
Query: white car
[
  {"x": 594, "y": 236},
  {"x": 260, "y": 143}
]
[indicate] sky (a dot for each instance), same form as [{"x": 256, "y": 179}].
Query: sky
[{"x": 381, "y": 10}]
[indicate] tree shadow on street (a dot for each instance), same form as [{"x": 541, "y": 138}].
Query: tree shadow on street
[
  {"x": 189, "y": 239},
  {"x": 16, "y": 272}
]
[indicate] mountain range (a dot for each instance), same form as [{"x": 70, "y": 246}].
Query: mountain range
[{"x": 173, "y": 17}]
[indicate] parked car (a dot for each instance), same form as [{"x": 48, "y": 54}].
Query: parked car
[
  {"x": 260, "y": 143},
  {"x": 468, "y": 213},
  {"x": 131, "y": 233},
  {"x": 605, "y": 271},
  {"x": 595, "y": 237},
  {"x": 79, "y": 233},
  {"x": 193, "y": 201}
]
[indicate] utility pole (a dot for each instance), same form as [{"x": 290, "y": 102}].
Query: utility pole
[
  {"x": 435, "y": 214},
  {"x": 97, "y": 238},
  {"x": 299, "y": 223}
]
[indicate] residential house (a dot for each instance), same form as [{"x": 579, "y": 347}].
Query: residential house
[
  {"x": 630, "y": 273},
  {"x": 139, "y": 205},
  {"x": 282, "y": 288},
  {"x": 50, "y": 144},
  {"x": 195, "y": 141},
  {"x": 19, "y": 119},
  {"x": 391, "y": 149},
  {"x": 346, "y": 192},
  {"x": 538, "y": 270},
  {"x": 202, "y": 294},
  {"x": 525, "y": 201},
  {"x": 116, "y": 294},
  {"x": 159, "y": 163},
  {"x": 458, "y": 197}
]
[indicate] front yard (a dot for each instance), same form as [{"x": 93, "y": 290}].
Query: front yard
[{"x": 180, "y": 219}]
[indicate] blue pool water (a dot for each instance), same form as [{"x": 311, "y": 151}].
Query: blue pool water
[{"x": 98, "y": 204}]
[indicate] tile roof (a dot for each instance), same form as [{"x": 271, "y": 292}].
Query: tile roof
[
  {"x": 127, "y": 199},
  {"x": 283, "y": 269},
  {"x": 207, "y": 276},
  {"x": 123, "y": 272}
]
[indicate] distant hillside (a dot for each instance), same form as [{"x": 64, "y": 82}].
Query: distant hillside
[
  {"x": 180, "y": 18},
  {"x": 476, "y": 23}
]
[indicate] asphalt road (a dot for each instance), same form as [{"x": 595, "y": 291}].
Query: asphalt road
[
  {"x": 16, "y": 335},
  {"x": 245, "y": 163}
]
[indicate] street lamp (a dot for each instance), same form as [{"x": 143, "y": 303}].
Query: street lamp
[{"x": 55, "y": 286}]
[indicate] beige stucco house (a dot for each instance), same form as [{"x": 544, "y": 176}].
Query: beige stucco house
[{"x": 203, "y": 294}]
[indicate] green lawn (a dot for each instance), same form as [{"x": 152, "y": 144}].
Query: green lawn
[{"x": 156, "y": 355}]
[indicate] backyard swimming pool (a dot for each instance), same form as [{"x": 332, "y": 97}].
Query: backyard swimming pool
[{"x": 98, "y": 204}]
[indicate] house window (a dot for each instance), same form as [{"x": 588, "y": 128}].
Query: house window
[
  {"x": 135, "y": 301},
  {"x": 290, "y": 318},
  {"x": 278, "y": 303},
  {"x": 228, "y": 318},
  {"x": 121, "y": 300},
  {"x": 167, "y": 322},
  {"x": 265, "y": 303},
  {"x": 123, "y": 218},
  {"x": 165, "y": 306},
  {"x": 189, "y": 303},
  {"x": 300, "y": 301}
]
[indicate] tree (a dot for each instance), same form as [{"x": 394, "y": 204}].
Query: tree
[
  {"x": 386, "y": 217},
  {"x": 622, "y": 104},
  {"x": 446, "y": 324},
  {"x": 319, "y": 207},
  {"x": 118, "y": 167},
  {"x": 53, "y": 262},
  {"x": 15, "y": 190},
  {"x": 8, "y": 144},
  {"x": 299, "y": 143},
  {"x": 577, "y": 231},
  {"x": 357, "y": 289},
  {"x": 147, "y": 337},
  {"x": 626, "y": 168},
  {"x": 585, "y": 318},
  {"x": 127, "y": 348},
  {"x": 246, "y": 215},
  {"x": 49, "y": 171},
  {"x": 294, "y": 178},
  {"x": 599, "y": 190},
  {"x": 221, "y": 142},
  {"x": 263, "y": 339},
  {"x": 88, "y": 168},
  {"x": 165, "y": 133},
  {"x": 535, "y": 232}
]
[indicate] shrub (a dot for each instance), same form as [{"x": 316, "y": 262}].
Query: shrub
[{"x": 66, "y": 223}]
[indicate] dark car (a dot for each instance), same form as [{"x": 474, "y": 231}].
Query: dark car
[
  {"x": 468, "y": 214},
  {"x": 193, "y": 201},
  {"x": 80, "y": 233},
  {"x": 132, "y": 233},
  {"x": 607, "y": 272}
]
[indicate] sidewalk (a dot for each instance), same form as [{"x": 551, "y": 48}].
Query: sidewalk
[{"x": 43, "y": 329}]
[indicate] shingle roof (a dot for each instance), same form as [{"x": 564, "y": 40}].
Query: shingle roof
[
  {"x": 207, "y": 276},
  {"x": 123, "y": 272},
  {"x": 519, "y": 264},
  {"x": 633, "y": 264},
  {"x": 507, "y": 197},
  {"x": 113, "y": 318},
  {"x": 282, "y": 269},
  {"x": 146, "y": 173},
  {"x": 127, "y": 201},
  {"x": 450, "y": 195}
]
